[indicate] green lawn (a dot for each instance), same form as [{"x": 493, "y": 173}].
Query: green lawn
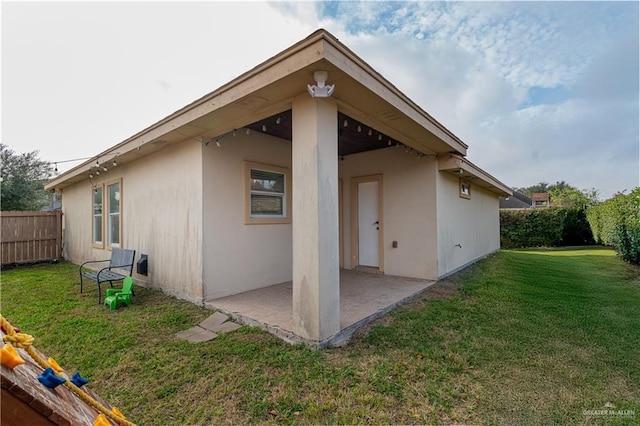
[{"x": 523, "y": 337}]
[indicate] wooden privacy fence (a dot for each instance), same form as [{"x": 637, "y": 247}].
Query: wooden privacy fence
[{"x": 31, "y": 236}]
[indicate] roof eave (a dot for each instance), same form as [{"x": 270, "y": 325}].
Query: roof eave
[
  {"x": 355, "y": 67},
  {"x": 464, "y": 168}
]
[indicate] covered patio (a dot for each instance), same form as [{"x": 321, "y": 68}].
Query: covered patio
[{"x": 364, "y": 297}]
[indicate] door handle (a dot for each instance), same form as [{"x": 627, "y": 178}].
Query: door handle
[{"x": 376, "y": 222}]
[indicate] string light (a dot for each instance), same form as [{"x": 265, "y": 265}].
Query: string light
[
  {"x": 359, "y": 128},
  {"x": 278, "y": 120},
  {"x": 370, "y": 132},
  {"x": 234, "y": 133},
  {"x": 346, "y": 123},
  {"x": 264, "y": 127}
]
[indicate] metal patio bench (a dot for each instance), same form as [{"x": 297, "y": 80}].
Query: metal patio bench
[{"x": 121, "y": 260}]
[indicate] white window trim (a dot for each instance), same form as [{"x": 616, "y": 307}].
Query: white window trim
[
  {"x": 107, "y": 217},
  {"x": 250, "y": 219},
  {"x": 94, "y": 243},
  {"x": 462, "y": 193}
]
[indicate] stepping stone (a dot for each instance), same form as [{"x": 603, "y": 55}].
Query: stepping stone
[
  {"x": 226, "y": 327},
  {"x": 214, "y": 320},
  {"x": 196, "y": 334}
]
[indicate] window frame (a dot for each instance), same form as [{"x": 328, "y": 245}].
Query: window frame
[
  {"x": 286, "y": 202},
  {"x": 462, "y": 193},
  {"x": 94, "y": 243},
  {"x": 107, "y": 217}
]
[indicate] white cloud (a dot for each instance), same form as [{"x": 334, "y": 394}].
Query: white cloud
[
  {"x": 80, "y": 77},
  {"x": 473, "y": 66}
]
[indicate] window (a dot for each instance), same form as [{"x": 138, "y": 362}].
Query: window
[
  {"x": 465, "y": 189},
  {"x": 267, "y": 194},
  {"x": 113, "y": 220},
  {"x": 97, "y": 217}
]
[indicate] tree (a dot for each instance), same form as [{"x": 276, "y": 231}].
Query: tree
[
  {"x": 569, "y": 196},
  {"x": 530, "y": 190},
  {"x": 22, "y": 180}
]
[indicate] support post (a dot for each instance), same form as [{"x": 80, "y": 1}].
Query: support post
[{"x": 316, "y": 273}]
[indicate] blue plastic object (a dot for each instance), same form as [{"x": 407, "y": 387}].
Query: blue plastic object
[
  {"x": 78, "y": 380},
  {"x": 49, "y": 378}
]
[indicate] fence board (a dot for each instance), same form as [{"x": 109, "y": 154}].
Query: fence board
[{"x": 30, "y": 236}]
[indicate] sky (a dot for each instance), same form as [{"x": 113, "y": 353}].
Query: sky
[{"x": 540, "y": 91}]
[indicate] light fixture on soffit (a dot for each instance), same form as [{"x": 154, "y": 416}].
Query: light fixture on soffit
[{"x": 320, "y": 89}]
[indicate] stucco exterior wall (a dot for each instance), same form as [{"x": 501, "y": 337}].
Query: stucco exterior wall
[
  {"x": 472, "y": 223},
  {"x": 76, "y": 208},
  {"x": 409, "y": 197},
  {"x": 161, "y": 214},
  {"x": 240, "y": 257}
]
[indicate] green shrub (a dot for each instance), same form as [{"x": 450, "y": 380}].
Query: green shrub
[
  {"x": 544, "y": 227},
  {"x": 616, "y": 223}
]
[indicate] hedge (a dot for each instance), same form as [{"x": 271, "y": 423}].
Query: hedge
[
  {"x": 544, "y": 227},
  {"x": 616, "y": 223}
]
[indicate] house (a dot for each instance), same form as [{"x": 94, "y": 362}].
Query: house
[
  {"x": 308, "y": 163},
  {"x": 541, "y": 199},
  {"x": 516, "y": 201}
]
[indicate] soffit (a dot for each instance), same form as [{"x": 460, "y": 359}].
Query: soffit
[{"x": 353, "y": 135}]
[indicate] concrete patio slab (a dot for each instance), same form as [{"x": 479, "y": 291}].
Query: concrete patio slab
[{"x": 363, "y": 298}]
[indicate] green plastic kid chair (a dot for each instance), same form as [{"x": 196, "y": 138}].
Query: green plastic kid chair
[{"x": 115, "y": 295}]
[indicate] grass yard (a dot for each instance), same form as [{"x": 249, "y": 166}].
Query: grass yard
[{"x": 523, "y": 337}]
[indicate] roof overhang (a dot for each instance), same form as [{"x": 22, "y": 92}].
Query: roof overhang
[
  {"x": 268, "y": 89},
  {"x": 459, "y": 166}
]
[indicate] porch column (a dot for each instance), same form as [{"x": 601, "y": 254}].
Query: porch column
[{"x": 316, "y": 273}]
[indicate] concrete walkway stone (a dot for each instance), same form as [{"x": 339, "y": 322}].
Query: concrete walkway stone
[
  {"x": 205, "y": 331},
  {"x": 214, "y": 320},
  {"x": 196, "y": 335},
  {"x": 226, "y": 327}
]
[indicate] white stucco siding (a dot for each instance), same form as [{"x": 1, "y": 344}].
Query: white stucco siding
[
  {"x": 472, "y": 223},
  {"x": 161, "y": 216},
  {"x": 409, "y": 212},
  {"x": 239, "y": 257},
  {"x": 76, "y": 206}
]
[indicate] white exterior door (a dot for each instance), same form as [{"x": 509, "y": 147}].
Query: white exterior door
[{"x": 368, "y": 224}]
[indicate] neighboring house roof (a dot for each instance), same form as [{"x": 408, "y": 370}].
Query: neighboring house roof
[
  {"x": 540, "y": 196},
  {"x": 516, "y": 201},
  {"x": 266, "y": 91},
  {"x": 541, "y": 199}
]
